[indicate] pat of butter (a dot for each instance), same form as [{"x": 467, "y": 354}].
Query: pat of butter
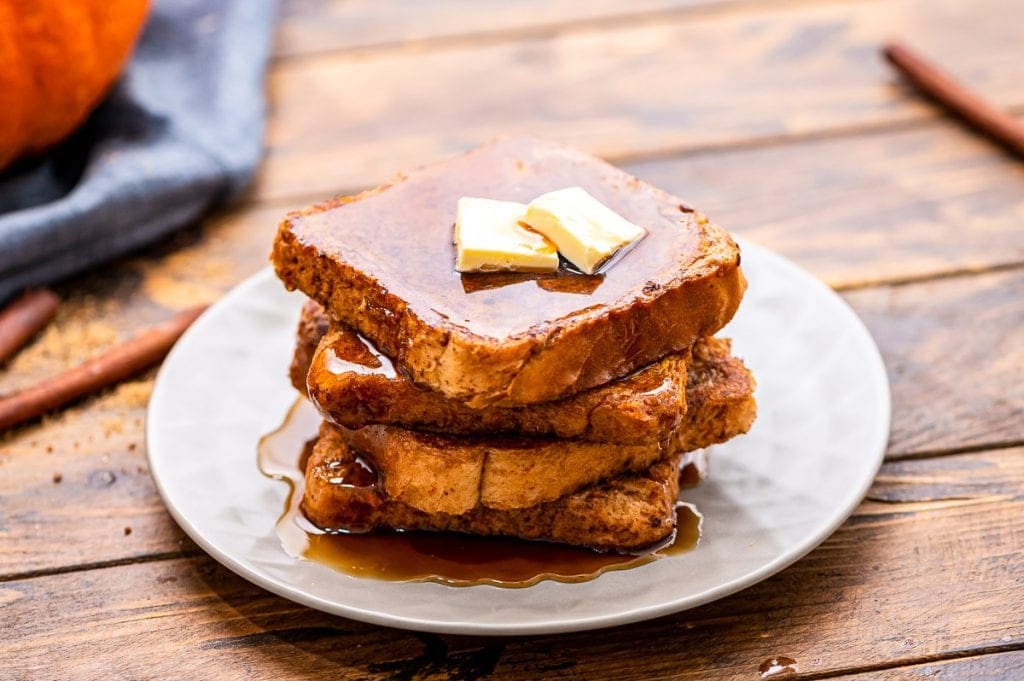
[
  {"x": 489, "y": 238},
  {"x": 584, "y": 230}
]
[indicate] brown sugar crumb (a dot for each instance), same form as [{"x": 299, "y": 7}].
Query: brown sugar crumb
[
  {"x": 57, "y": 477},
  {"x": 187, "y": 278},
  {"x": 112, "y": 426},
  {"x": 74, "y": 336},
  {"x": 129, "y": 395}
]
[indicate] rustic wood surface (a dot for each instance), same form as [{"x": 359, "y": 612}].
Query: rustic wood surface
[
  {"x": 761, "y": 74},
  {"x": 776, "y": 117},
  {"x": 928, "y": 566},
  {"x": 991, "y": 667}
]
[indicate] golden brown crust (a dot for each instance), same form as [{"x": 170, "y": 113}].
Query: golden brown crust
[
  {"x": 452, "y": 474},
  {"x": 626, "y": 511},
  {"x": 312, "y": 324},
  {"x": 593, "y": 344},
  {"x": 353, "y": 387},
  {"x": 719, "y": 395}
]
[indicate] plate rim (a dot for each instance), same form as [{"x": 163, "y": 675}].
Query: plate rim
[{"x": 295, "y": 594}]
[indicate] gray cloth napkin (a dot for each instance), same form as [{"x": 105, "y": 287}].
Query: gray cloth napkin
[{"x": 181, "y": 131}]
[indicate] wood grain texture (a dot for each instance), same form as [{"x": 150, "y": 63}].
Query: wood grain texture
[
  {"x": 952, "y": 387},
  {"x": 193, "y": 267},
  {"x": 993, "y": 667},
  {"x": 953, "y": 350},
  {"x": 311, "y": 26},
  {"x": 777, "y": 118},
  {"x": 853, "y": 210},
  {"x": 71, "y": 483},
  {"x": 869, "y": 593},
  {"x": 76, "y": 489},
  {"x": 864, "y": 209},
  {"x": 342, "y": 121}
]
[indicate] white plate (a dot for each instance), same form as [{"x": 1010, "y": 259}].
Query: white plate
[{"x": 772, "y": 495}]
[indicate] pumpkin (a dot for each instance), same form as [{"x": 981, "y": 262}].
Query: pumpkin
[{"x": 58, "y": 58}]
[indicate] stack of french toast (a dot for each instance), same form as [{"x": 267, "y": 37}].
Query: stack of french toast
[{"x": 554, "y": 406}]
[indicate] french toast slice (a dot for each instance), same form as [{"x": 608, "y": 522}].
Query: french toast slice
[
  {"x": 453, "y": 476},
  {"x": 625, "y": 513},
  {"x": 382, "y": 262},
  {"x": 354, "y": 386}
]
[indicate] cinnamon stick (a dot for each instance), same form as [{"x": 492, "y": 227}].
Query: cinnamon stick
[
  {"x": 957, "y": 98},
  {"x": 109, "y": 368},
  {"x": 23, "y": 318}
]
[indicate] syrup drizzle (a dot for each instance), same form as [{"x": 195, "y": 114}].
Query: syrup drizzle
[
  {"x": 780, "y": 667},
  {"x": 446, "y": 558}
]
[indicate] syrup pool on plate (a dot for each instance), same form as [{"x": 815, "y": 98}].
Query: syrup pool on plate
[{"x": 444, "y": 557}]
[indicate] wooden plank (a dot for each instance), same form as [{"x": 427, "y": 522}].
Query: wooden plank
[
  {"x": 193, "y": 267},
  {"x": 853, "y": 210},
  {"x": 310, "y": 26},
  {"x": 994, "y": 667},
  {"x": 951, "y": 346},
  {"x": 76, "y": 490},
  {"x": 900, "y": 205},
  {"x": 340, "y": 121},
  {"x": 954, "y": 351},
  {"x": 929, "y": 565},
  {"x": 857, "y": 210},
  {"x": 195, "y": 619}
]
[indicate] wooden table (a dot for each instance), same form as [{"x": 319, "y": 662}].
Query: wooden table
[{"x": 777, "y": 118}]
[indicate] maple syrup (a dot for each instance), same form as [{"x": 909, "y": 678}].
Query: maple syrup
[
  {"x": 780, "y": 667},
  {"x": 372, "y": 235},
  {"x": 693, "y": 468},
  {"x": 444, "y": 557}
]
